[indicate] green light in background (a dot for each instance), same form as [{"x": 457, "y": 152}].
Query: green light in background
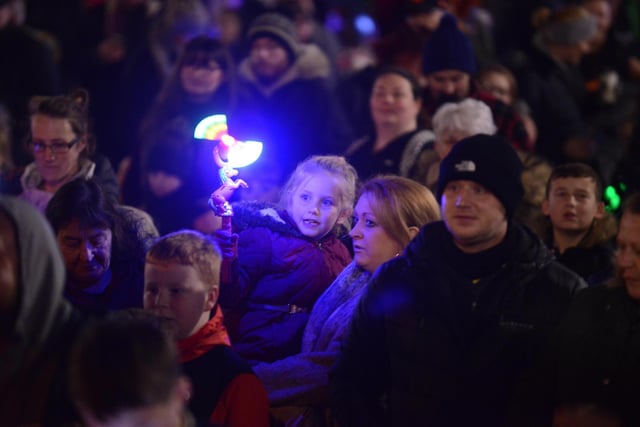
[{"x": 612, "y": 197}]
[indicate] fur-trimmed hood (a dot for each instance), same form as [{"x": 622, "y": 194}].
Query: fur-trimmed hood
[
  {"x": 260, "y": 214},
  {"x": 271, "y": 216}
]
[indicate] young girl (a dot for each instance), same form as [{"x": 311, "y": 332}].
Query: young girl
[{"x": 287, "y": 257}]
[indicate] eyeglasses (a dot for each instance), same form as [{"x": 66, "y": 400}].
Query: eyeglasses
[{"x": 56, "y": 147}]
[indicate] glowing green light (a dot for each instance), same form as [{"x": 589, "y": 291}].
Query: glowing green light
[{"x": 612, "y": 197}]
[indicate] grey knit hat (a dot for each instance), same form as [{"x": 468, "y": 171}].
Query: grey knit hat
[
  {"x": 570, "y": 29},
  {"x": 277, "y": 27}
]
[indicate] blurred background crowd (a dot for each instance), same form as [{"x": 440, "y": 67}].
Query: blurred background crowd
[{"x": 573, "y": 84}]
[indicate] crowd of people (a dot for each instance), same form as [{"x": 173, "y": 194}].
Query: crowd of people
[{"x": 442, "y": 227}]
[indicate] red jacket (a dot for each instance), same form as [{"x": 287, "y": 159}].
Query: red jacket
[{"x": 225, "y": 389}]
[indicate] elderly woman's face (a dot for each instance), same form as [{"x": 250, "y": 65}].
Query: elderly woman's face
[
  {"x": 86, "y": 252},
  {"x": 392, "y": 102},
  {"x": 56, "y": 149}
]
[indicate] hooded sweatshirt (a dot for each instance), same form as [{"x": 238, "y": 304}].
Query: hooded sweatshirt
[{"x": 32, "y": 356}]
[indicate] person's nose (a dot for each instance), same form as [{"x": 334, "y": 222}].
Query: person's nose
[
  {"x": 161, "y": 299},
  {"x": 462, "y": 197},
  {"x": 314, "y": 208},
  {"x": 624, "y": 258},
  {"x": 355, "y": 232},
  {"x": 87, "y": 252},
  {"x": 584, "y": 47},
  {"x": 386, "y": 98},
  {"x": 48, "y": 153},
  {"x": 449, "y": 88},
  {"x": 261, "y": 52}
]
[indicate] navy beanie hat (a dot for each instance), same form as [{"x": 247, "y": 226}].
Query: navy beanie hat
[
  {"x": 448, "y": 48},
  {"x": 490, "y": 161},
  {"x": 417, "y": 7},
  {"x": 277, "y": 27}
]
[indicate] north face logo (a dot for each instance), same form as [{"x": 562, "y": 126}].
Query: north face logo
[{"x": 465, "y": 166}]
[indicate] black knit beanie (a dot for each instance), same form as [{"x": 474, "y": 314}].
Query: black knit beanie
[
  {"x": 488, "y": 160},
  {"x": 278, "y": 28},
  {"x": 448, "y": 48}
]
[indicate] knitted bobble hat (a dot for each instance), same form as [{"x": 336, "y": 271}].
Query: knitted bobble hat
[{"x": 448, "y": 48}]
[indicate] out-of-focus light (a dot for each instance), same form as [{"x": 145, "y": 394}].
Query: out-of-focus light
[
  {"x": 334, "y": 21},
  {"x": 242, "y": 154},
  {"x": 233, "y": 4},
  {"x": 238, "y": 153},
  {"x": 365, "y": 25},
  {"x": 227, "y": 140},
  {"x": 613, "y": 198},
  {"x": 211, "y": 127}
]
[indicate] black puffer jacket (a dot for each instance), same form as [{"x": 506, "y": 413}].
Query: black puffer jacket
[{"x": 431, "y": 346}]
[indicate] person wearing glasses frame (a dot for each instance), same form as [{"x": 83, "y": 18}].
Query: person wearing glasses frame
[{"x": 62, "y": 149}]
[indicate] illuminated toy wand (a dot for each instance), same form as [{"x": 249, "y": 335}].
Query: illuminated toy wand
[{"x": 228, "y": 154}]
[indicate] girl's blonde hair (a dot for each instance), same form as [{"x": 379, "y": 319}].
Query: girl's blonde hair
[
  {"x": 335, "y": 166},
  {"x": 399, "y": 203}
]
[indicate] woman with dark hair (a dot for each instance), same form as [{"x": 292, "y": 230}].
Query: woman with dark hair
[
  {"x": 62, "y": 148},
  {"x": 103, "y": 246},
  {"x": 201, "y": 85},
  {"x": 397, "y": 143}
]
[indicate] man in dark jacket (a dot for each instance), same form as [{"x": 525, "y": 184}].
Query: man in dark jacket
[{"x": 447, "y": 332}]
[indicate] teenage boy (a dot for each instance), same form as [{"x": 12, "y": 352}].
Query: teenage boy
[
  {"x": 182, "y": 276},
  {"x": 580, "y": 232}
]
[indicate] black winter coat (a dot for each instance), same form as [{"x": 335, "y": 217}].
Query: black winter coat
[
  {"x": 594, "y": 360},
  {"x": 429, "y": 346}
]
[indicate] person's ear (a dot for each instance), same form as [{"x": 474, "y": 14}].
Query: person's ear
[
  {"x": 212, "y": 298},
  {"x": 418, "y": 105},
  {"x": 545, "y": 207},
  {"x": 600, "y": 211},
  {"x": 344, "y": 216},
  {"x": 413, "y": 231},
  {"x": 82, "y": 144}
]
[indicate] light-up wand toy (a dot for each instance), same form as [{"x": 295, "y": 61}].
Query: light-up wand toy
[{"x": 229, "y": 154}]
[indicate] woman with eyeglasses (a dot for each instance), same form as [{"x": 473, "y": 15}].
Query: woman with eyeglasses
[{"x": 62, "y": 149}]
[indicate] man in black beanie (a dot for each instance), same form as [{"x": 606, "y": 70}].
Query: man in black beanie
[
  {"x": 448, "y": 332},
  {"x": 449, "y": 66}
]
